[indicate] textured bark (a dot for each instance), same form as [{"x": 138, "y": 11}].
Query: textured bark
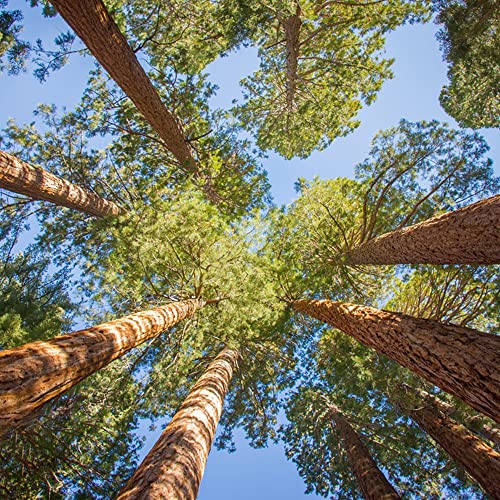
[
  {"x": 480, "y": 460},
  {"x": 470, "y": 235},
  {"x": 174, "y": 467},
  {"x": 473, "y": 423},
  {"x": 372, "y": 483},
  {"x": 93, "y": 24},
  {"x": 462, "y": 361},
  {"x": 291, "y": 26},
  {"x": 20, "y": 177},
  {"x": 34, "y": 373}
]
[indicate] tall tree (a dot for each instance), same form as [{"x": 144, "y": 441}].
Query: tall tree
[
  {"x": 477, "y": 458},
  {"x": 94, "y": 25},
  {"x": 34, "y": 373},
  {"x": 20, "y": 177},
  {"x": 174, "y": 467},
  {"x": 470, "y": 235},
  {"x": 319, "y": 62},
  {"x": 469, "y": 38},
  {"x": 460, "y": 360}
]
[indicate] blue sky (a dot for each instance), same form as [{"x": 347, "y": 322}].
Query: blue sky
[{"x": 412, "y": 94}]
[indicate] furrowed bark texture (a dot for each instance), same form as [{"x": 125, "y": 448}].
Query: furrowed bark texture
[
  {"x": 34, "y": 373},
  {"x": 472, "y": 423},
  {"x": 22, "y": 178},
  {"x": 372, "y": 483},
  {"x": 93, "y": 24},
  {"x": 174, "y": 467},
  {"x": 462, "y": 361},
  {"x": 480, "y": 460},
  {"x": 470, "y": 235},
  {"x": 291, "y": 26}
]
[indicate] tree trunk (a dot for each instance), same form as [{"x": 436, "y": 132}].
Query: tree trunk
[
  {"x": 174, "y": 467},
  {"x": 20, "y": 177},
  {"x": 460, "y": 360},
  {"x": 470, "y": 235},
  {"x": 291, "y": 26},
  {"x": 372, "y": 483},
  {"x": 473, "y": 423},
  {"x": 34, "y": 373},
  {"x": 93, "y": 24},
  {"x": 480, "y": 460}
]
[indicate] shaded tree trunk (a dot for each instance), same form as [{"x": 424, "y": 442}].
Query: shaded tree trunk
[
  {"x": 372, "y": 483},
  {"x": 470, "y": 235},
  {"x": 93, "y": 24},
  {"x": 291, "y": 26},
  {"x": 22, "y": 178},
  {"x": 479, "y": 460},
  {"x": 460, "y": 360},
  {"x": 174, "y": 467},
  {"x": 34, "y": 373},
  {"x": 473, "y": 423}
]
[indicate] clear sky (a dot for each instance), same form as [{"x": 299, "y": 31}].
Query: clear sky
[{"x": 412, "y": 94}]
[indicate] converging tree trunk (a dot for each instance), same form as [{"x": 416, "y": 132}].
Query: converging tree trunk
[
  {"x": 470, "y": 235},
  {"x": 22, "y": 178},
  {"x": 93, "y": 24},
  {"x": 372, "y": 483},
  {"x": 34, "y": 373},
  {"x": 460, "y": 360},
  {"x": 480, "y": 460},
  {"x": 291, "y": 26},
  {"x": 174, "y": 467}
]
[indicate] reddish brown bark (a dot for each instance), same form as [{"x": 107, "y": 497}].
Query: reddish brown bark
[
  {"x": 477, "y": 458},
  {"x": 372, "y": 483},
  {"x": 34, "y": 373},
  {"x": 470, "y": 235},
  {"x": 20, "y": 177},
  {"x": 93, "y": 24},
  {"x": 462, "y": 361},
  {"x": 174, "y": 467}
]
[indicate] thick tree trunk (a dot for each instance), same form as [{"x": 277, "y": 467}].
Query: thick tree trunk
[
  {"x": 462, "y": 361},
  {"x": 93, "y": 24},
  {"x": 20, "y": 177},
  {"x": 473, "y": 423},
  {"x": 174, "y": 467},
  {"x": 470, "y": 235},
  {"x": 34, "y": 373},
  {"x": 480, "y": 460},
  {"x": 372, "y": 483},
  {"x": 291, "y": 26}
]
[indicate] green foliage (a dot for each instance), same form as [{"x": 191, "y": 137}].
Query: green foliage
[
  {"x": 314, "y": 78},
  {"x": 469, "y": 38}
]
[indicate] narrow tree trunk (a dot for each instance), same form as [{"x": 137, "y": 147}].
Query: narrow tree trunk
[
  {"x": 93, "y": 24},
  {"x": 34, "y": 373},
  {"x": 462, "y": 361},
  {"x": 174, "y": 467},
  {"x": 20, "y": 177},
  {"x": 372, "y": 483},
  {"x": 291, "y": 26},
  {"x": 473, "y": 423},
  {"x": 480, "y": 460},
  {"x": 470, "y": 235}
]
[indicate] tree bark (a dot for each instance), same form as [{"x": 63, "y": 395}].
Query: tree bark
[
  {"x": 174, "y": 467},
  {"x": 93, "y": 24},
  {"x": 472, "y": 423},
  {"x": 22, "y": 178},
  {"x": 470, "y": 235},
  {"x": 371, "y": 481},
  {"x": 459, "y": 360},
  {"x": 34, "y": 373},
  {"x": 480, "y": 460},
  {"x": 291, "y": 26}
]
